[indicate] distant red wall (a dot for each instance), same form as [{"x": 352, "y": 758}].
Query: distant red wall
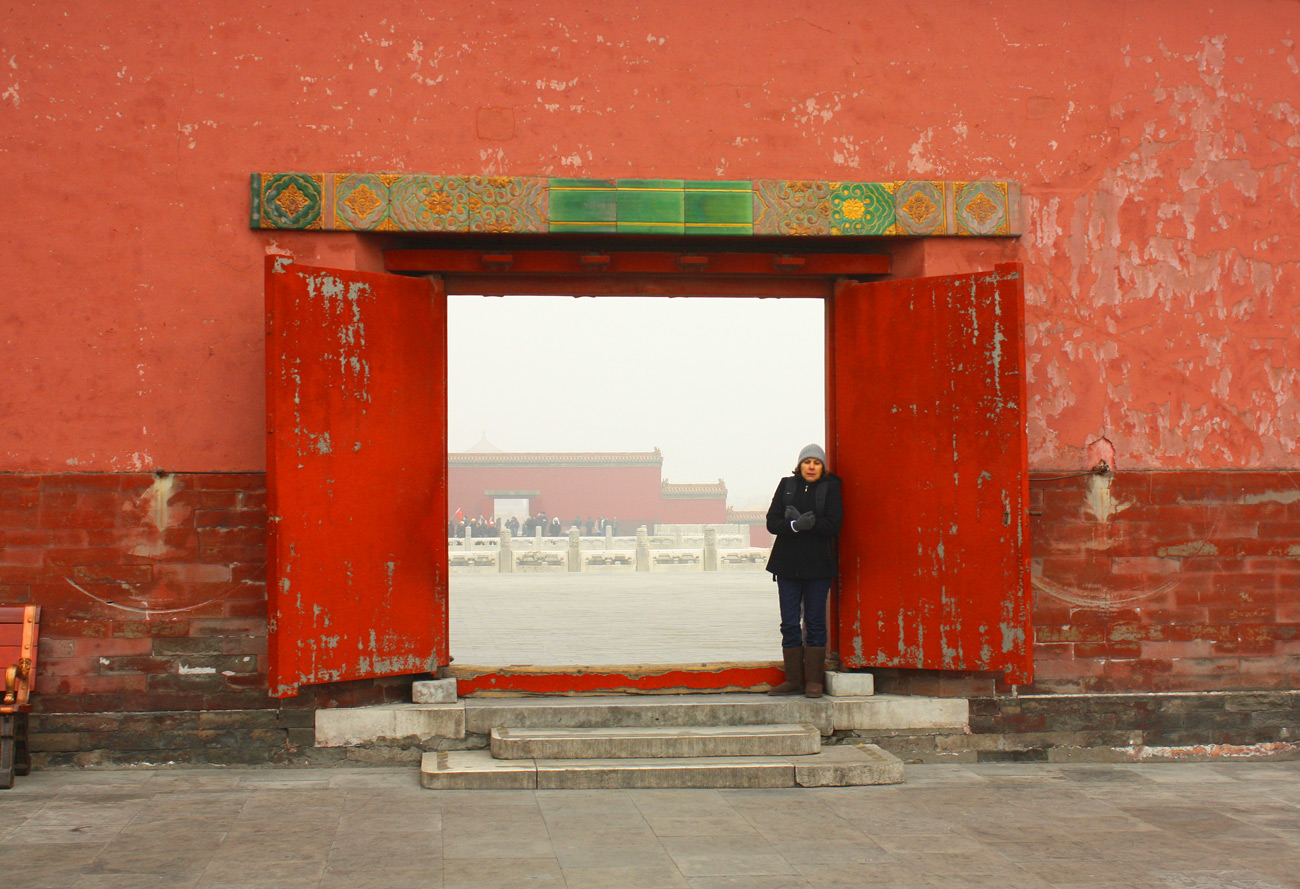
[
  {"x": 694, "y": 510},
  {"x": 630, "y": 495},
  {"x": 626, "y": 493}
]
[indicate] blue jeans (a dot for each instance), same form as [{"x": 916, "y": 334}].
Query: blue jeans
[{"x": 806, "y": 600}]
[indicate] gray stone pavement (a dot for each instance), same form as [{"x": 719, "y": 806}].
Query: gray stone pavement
[
  {"x": 1166, "y": 826},
  {"x": 652, "y": 618}
]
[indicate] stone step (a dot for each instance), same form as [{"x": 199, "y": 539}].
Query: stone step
[
  {"x": 843, "y": 766},
  {"x": 345, "y": 727},
  {"x": 655, "y": 742}
]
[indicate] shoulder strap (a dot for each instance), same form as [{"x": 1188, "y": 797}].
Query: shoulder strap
[
  {"x": 787, "y": 493},
  {"x": 819, "y": 507}
]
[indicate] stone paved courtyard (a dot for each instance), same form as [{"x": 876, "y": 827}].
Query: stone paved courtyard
[
  {"x": 1167, "y": 826},
  {"x": 648, "y": 618}
]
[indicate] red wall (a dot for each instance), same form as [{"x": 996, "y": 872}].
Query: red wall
[{"x": 1155, "y": 143}]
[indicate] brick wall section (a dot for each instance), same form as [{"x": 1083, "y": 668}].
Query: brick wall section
[
  {"x": 1166, "y": 581},
  {"x": 153, "y": 592},
  {"x": 154, "y": 628}
]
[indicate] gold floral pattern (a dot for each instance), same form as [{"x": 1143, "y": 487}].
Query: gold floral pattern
[
  {"x": 363, "y": 201},
  {"x": 291, "y": 200},
  {"x": 439, "y": 203},
  {"x": 981, "y": 209}
]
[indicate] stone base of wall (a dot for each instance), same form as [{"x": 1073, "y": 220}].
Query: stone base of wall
[
  {"x": 1195, "y": 726},
  {"x": 1204, "y": 726}
]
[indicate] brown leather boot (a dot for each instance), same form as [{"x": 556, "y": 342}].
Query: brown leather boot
[
  {"x": 814, "y": 672},
  {"x": 793, "y": 683}
]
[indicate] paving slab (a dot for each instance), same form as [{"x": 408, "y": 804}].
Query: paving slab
[
  {"x": 1011, "y": 826},
  {"x": 655, "y": 741},
  {"x": 718, "y": 771},
  {"x": 475, "y": 770},
  {"x": 848, "y": 766}
]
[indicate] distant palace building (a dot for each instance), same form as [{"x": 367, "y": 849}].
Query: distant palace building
[{"x": 624, "y": 486}]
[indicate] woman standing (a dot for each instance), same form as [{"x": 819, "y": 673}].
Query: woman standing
[{"x": 805, "y": 517}]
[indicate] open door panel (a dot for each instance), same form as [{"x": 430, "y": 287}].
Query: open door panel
[
  {"x": 356, "y": 475},
  {"x": 928, "y": 413}
]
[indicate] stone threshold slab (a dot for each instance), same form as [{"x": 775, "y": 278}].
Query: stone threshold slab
[
  {"x": 875, "y": 712},
  {"x": 655, "y": 742}
]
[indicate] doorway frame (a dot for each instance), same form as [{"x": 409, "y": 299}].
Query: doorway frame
[{"x": 658, "y": 273}]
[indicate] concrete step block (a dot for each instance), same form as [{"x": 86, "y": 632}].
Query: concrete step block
[
  {"x": 900, "y": 712},
  {"x": 848, "y": 766},
  {"x": 434, "y": 691},
  {"x": 475, "y": 770},
  {"x": 629, "y": 711},
  {"x": 842, "y": 684},
  {"x": 609, "y": 774},
  {"x": 389, "y": 723},
  {"x": 655, "y": 742}
]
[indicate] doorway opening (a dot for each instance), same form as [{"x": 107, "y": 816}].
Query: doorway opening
[
  {"x": 610, "y": 462},
  {"x": 933, "y": 569}
]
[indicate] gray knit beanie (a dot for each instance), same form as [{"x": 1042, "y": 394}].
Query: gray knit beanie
[{"x": 814, "y": 451}]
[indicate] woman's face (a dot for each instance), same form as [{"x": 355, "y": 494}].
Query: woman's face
[{"x": 811, "y": 469}]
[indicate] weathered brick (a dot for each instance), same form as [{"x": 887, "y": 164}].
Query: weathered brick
[
  {"x": 95, "y": 685},
  {"x": 239, "y": 719},
  {"x": 229, "y": 518},
  {"x": 296, "y": 718},
  {"x": 75, "y": 723},
  {"x": 1174, "y": 650},
  {"x": 228, "y": 627},
  {"x": 245, "y": 609},
  {"x": 54, "y": 648},
  {"x": 197, "y": 645},
  {"x": 47, "y": 742},
  {"x": 99, "y": 647},
  {"x": 157, "y": 628},
  {"x": 137, "y": 664},
  {"x": 1123, "y": 650}
]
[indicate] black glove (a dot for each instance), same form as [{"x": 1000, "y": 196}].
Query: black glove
[
  {"x": 791, "y": 513},
  {"x": 805, "y": 521}
]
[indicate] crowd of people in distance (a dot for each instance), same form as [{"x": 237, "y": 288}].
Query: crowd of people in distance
[{"x": 550, "y": 527}]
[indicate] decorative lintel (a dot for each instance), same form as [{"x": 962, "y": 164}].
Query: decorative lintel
[{"x": 420, "y": 202}]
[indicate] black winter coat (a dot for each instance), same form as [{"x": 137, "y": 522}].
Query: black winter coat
[{"x": 806, "y": 554}]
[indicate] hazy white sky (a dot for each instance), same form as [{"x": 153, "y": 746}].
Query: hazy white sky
[{"x": 727, "y": 389}]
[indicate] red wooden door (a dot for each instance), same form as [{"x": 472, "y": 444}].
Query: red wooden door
[
  {"x": 928, "y": 415},
  {"x": 356, "y": 475}
]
